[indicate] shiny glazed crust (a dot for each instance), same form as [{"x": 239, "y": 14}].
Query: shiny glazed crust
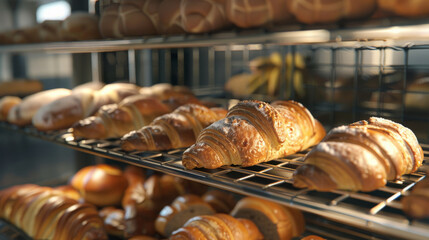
[
  {"x": 360, "y": 157},
  {"x": 174, "y": 130},
  {"x": 254, "y": 132}
]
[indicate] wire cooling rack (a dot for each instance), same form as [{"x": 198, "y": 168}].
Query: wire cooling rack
[{"x": 377, "y": 211}]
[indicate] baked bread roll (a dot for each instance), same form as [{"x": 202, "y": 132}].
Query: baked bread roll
[
  {"x": 23, "y": 113},
  {"x": 415, "y": 204},
  {"x": 405, "y": 8},
  {"x": 254, "y": 132},
  {"x": 101, "y": 185},
  {"x": 417, "y": 96},
  {"x": 182, "y": 209},
  {"x": 25, "y": 35},
  {"x": 110, "y": 22},
  {"x": 6, "y": 103},
  {"x": 220, "y": 201},
  {"x": 170, "y": 20},
  {"x": 329, "y": 11},
  {"x": 80, "y": 26},
  {"x": 218, "y": 226},
  {"x": 360, "y": 157},
  {"x": 202, "y": 16},
  {"x": 273, "y": 220},
  {"x": 83, "y": 102},
  {"x": 312, "y": 237},
  {"x": 247, "y": 14},
  {"x": 139, "y": 17},
  {"x": 44, "y": 213},
  {"x": 173, "y": 130}
]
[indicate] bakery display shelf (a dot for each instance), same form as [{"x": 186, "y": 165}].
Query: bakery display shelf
[
  {"x": 378, "y": 211},
  {"x": 372, "y": 35},
  {"x": 9, "y": 232}
]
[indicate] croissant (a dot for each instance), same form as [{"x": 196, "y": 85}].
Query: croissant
[
  {"x": 173, "y": 130},
  {"x": 217, "y": 226},
  {"x": 416, "y": 203},
  {"x": 360, "y": 157},
  {"x": 115, "y": 120},
  {"x": 46, "y": 213},
  {"x": 254, "y": 132}
]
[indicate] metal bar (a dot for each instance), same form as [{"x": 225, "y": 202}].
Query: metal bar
[
  {"x": 132, "y": 73},
  {"x": 95, "y": 67},
  {"x": 195, "y": 67},
  {"x": 181, "y": 66}
]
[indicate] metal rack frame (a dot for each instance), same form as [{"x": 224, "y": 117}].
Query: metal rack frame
[{"x": 378, "y": 211}]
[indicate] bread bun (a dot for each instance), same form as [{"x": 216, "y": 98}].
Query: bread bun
[
  {"x": 101, "y": 185},
  {"x": 6, "y": 103},
  {"x": 201, "y": 16},
  {"x": 169, "y": 17},
  {"x": 246, "y": 13},
  {"x": 329, "y": 11},
  {"x": 220, "y": 201},
  {"x": 405, "y": 8},
  {"x": 273, "y": 220}
]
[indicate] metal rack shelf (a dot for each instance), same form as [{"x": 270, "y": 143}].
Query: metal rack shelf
[
  {"x": 378, "y": 211},
  {"x": 289, "y": 35}
]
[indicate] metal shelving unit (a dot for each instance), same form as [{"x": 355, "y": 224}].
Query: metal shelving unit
[
  {"x": 290, "y": 35},
  {"x": 378, "y": 211}
]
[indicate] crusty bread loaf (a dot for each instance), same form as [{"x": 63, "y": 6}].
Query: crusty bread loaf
[
  {"x": 170, "y": 20},
  {"x": 20, "y": 87},
  {"x": 113, "y": 219},
  {"x": 328, "y": 11},
  {"x": 6, "y": 103},
  {"x": 405, "y": 8},
  {"x": 139, "y": 17},
  {"x": 275, "y": 221},
  {"x": 101, "y": 185},
  {"x": 415, "y": 203},
  {"x": 49, "y": 31},
  {"x": 246, "y": 13},
  {"x": 110, "y": 22},
  {"x": 182, "y": 209},
  {"x": 80, "y": 26},
  {"x": 201, "y": 16},
  {"x": 45, "y": 213},
  {"x": 23, "y": 113}
]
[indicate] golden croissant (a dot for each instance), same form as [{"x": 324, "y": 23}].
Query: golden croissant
[
  {"x": 360, "y": 157},
  {"x": 173, "y": 130},
  {"x": 254, "y": 132}
]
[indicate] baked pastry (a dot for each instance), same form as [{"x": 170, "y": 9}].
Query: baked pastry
[
  {"x": 360, "y": 157},
  {"x": 201, "y": 16},
  {"x": 170, "y": 20},
  {"x": 20, "y": 87},
  {"x": 22, "y": 114},
  {"x": 101, "y": 185},
  {"x": 181, "y": 210},
  {"x": 173, "y": 130},
  {"x": 139, "y": 17},
  {"x": 246, "y": 13},
  {"x": 329, "y": 11},
  {"x": 80, "y": 26},
  {"x": 313, "y": 237},
  {"x": 6, "y": 103},
  {"x": 415, "y": 204},
  {"x": 114, "y": 121},
  {"x": 220, "y": 201},
  {"x": 254, "y": 132},
  {"x": 405, "y": 8},
  {"x": 218, "y": 226},
  {"x": 83, "y": 102},
  {"x": 110, "y": 22},
  {"x": 273, "y": 220},
  {"x": 44, "y": 213}
]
